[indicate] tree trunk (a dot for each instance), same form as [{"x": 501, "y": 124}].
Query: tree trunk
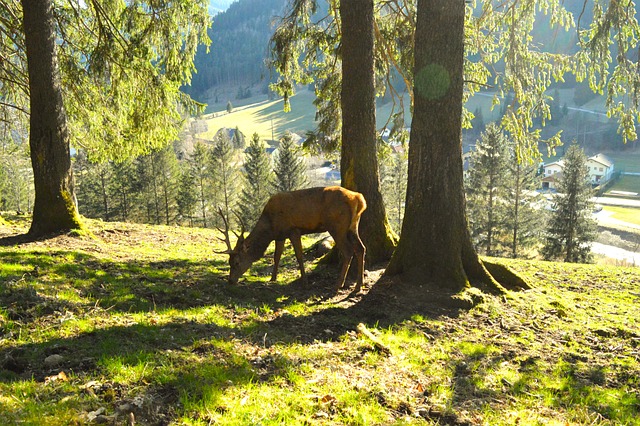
[
  {"x": 435, "y": 246},
  {"x": 359, "y": 162},
  {"x": 55, "y": 208}
]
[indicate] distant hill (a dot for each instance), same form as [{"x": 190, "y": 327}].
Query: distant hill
[
  {"x": 239, "y": 46},
  {"x": 217, "y": 6}
]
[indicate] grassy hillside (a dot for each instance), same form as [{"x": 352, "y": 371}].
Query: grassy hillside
[
  {"x": 139, "y": 325},
  {"x": 267, "y": 118}
]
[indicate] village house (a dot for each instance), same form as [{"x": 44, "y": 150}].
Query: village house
[{"x": 599, "y": 166}]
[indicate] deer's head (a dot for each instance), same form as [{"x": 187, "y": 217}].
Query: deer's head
[{"x": 239, "y": 260}]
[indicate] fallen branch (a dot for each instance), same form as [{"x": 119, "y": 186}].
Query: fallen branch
[{"x": 374, "y": 339}]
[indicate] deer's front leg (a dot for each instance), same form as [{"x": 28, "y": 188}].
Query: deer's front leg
[{"x": 276, "y": 259}]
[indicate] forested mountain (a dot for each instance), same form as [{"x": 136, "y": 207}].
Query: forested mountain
[
  {"x": 239, "y": 46},
  {"x": 217, "y": 6},
  {"x": 241, "y": 30}
]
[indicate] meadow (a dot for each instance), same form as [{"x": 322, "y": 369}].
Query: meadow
[{"x": 137, "y": 324}]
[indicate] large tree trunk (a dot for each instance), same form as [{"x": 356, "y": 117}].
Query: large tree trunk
[
  {"x": 359, "y": 162},
  {"x": 55, "y": 208},
  {"x": 435, "y": 246}
]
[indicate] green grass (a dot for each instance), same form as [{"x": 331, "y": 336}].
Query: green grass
[
  {"x": 627, "y": 183},
  {"x": 626, "y": 161},
  {"x": 146, "y": 323},
  {"x": 267, "y": 118},
  {"x": 625, "y": 214}
]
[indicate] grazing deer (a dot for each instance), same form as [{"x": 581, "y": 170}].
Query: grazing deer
[{"x": 293, "y": 214}]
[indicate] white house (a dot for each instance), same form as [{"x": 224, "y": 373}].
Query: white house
[
  {"x": 599, "y": 166},
  {"x": 552, "y": 174}
]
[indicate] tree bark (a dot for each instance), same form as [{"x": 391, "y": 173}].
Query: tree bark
[
  {"x": 359, "y": 162},
  {"x": 435, "y": 247},
  {"x": 55, "y": 208}
]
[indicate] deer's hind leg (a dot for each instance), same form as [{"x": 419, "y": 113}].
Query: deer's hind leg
[
  {"x": 359, "y": 250},
  {"x": 276, "y": 259},
  {"x": 345, "y": 248},
  {"x": 297, "y": 248}
]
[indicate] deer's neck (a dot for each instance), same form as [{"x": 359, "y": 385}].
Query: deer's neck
[{"x": 260, "y": 238}]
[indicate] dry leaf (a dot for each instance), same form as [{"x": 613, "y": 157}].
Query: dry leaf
[
  {"x": 61, "y": 376},
  {"x": 327, "y": 399}
]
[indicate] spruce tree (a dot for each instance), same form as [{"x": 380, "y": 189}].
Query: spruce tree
[
  {"x": 524, "y": 221},
  {"x": 166, "y": 168},
  {"x": 147, "y": 186},
  {"x": 394, "y": 174},
  {"x": 122, "y": 189},
  {"x": 238, "y": 139},
  {"x": 198, "y": 166},
  {"x": 224, "y": 173},
  {"x": 571, "y": 229},
  {"x": 290, "y": 169},
  {"x": 486, "y": 188},
  {"x": 187, "y": 195},
  {"x": 257, "y": 181}
]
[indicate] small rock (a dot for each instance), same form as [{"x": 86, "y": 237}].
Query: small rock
[{"x": 53, "y": 360}]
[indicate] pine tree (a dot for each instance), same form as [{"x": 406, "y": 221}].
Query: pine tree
[
  {"x": 290, "y": 168},
  {"x": 478, "y": 123},
  {"x": 94, "y": 199},
  {"x": 187, "y": 195},
  {"x": 166, "y": 168},
  {"x": 486, "y": 189},
  {"x": 257, "y": 179},
  {"x": 122, "y": 189},
  {"x": 147, "y": 186},
  {"x": 394, "y": 174},
  {"x": 238, "y": 139},
  {"x": 224, "y": 173},
  {"x": 571, "y": 229},
  {"x": 198, "y": 166},
  {"x": 524, "y": 221}
]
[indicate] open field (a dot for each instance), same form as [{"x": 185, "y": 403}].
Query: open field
[
  {"x": 138, "y": 324},
  {"x": 627, "y": 183},
  {"x": 626, "y": 161},
  {"x": 624, "y": 214},
  {"x": 266, "y": 118}
]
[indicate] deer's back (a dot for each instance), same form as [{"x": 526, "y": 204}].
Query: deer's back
[{"x": 314, "y": 209}]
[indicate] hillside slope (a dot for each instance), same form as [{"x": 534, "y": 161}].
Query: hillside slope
[{"x": 138, "y": 324}]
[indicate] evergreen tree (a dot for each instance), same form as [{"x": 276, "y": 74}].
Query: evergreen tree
[
  {"x": 486, "y": 188},
  {"x": 394, "y": 174},
  {"x": 146, "y": 184},
  {"x": 128, "y": 65},
  {"x": 290, "y": 169},
  {"x": 198, "y": 166},
  {"x": 187, "y": 194},
  {"x": 238, "y": 139},
  {"x": 166, "y": 170},
  {"x": 571, "y": 229},
  {"x": 16, "y": 179},
  {"x": 524, "y": 221},
  {"x": 224, "y": 173},
  {"x": 93, "y": 188},
  {"x": 477, "y": 123},
  {"x": 257, "y": 179},
  {"x": 122, "y": 187}
]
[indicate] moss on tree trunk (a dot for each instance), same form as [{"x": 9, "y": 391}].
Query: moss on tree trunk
[
  {"x": 435, "y": 247},
  {"x": 359, "y": 163},
  {"x": 54, "y": 208}
]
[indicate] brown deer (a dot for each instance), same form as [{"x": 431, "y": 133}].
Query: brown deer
[{"x": 293, "y": 214}]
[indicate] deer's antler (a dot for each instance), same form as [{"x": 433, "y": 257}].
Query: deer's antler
[{"x": 225, "y": 233}]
